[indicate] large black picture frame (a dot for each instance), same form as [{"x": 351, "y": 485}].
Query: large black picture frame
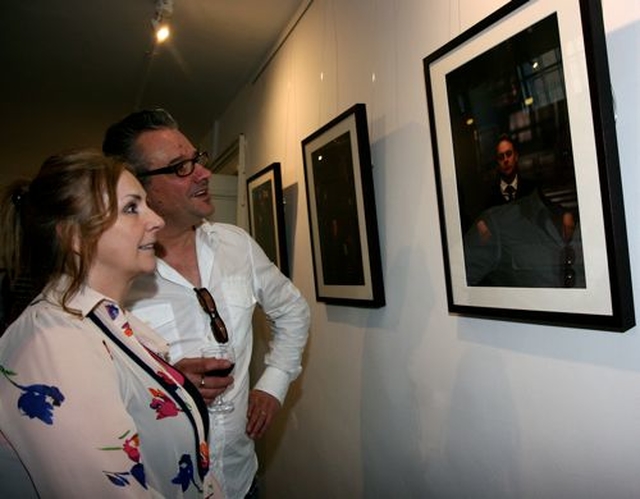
[
  {"x": 266, "y": 214},
  {"x": 342, "y": 212},
  {"x": 538, "y": 71}
]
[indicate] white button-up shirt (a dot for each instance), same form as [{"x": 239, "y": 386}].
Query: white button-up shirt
[{"x": 239, "y": 275}]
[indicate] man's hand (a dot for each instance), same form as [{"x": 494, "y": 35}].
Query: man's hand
[
  {"x": 568, "y": 226},
  {"x": 208, "y": 386},
  {"x": 483, "y": 231},
  {"x": 262, "y": 409}
]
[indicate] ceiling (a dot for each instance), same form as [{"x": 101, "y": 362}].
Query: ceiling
[{"x": 72, "y": 67}]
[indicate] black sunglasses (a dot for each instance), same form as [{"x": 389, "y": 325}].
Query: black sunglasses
[
  {"x": 207, "y": 303},
  {"x": 182, "y": 168}
]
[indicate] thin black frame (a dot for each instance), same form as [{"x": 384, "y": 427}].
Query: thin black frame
[
  {"x": 267, "y": 183},
  {"x": 606, "y": 301},
  {"x": 342, "y": 212}
]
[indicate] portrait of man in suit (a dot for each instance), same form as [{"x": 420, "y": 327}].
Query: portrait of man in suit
[{"x": 509, "y": 184}]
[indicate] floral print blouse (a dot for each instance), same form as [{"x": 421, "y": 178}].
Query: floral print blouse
[{"x": 91, "y": 408}]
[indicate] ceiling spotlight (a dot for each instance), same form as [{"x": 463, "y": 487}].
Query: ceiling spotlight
[
  {"x": 162, "y": 33},
  {"x": 164, "y": 10}
]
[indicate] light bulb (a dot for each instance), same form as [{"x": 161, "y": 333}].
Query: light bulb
[{"x": 162, "y": 33}]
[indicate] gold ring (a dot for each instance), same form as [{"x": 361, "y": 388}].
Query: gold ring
[{"x": 202, "y": 381}]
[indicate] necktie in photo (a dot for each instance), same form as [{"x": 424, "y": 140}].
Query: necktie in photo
[{"x": 510, "y": 193}]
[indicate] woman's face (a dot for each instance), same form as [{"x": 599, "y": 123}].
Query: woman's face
[{"x": 127, "y": 248}]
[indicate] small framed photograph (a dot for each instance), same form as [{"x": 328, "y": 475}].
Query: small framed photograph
[
  {"x": 526, "y": 165},
  {"x": 342, "y": 212},
  {"x": 266, "y": 214}
]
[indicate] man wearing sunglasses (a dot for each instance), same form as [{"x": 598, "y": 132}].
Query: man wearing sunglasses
[{"x": 210, "y": 277}]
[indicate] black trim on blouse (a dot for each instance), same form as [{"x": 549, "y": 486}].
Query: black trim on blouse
[{"x": 170, "y": 389}]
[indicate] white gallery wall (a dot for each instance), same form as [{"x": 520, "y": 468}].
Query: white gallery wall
[{"x": 407, "y": 400}]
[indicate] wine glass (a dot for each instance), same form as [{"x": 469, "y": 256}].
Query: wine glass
[{"x": 220, "y": 351}]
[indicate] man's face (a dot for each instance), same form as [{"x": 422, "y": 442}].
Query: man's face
[
  {"x": 182, "y": 201},
  {"x": 507, "y": 159}
]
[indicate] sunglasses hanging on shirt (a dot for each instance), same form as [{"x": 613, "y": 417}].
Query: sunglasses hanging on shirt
[{"x": 216, "y": 323}]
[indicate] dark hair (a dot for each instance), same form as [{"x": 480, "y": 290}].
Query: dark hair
[
  {"x": 121, "y": 137},
  {"x": 50, "y": 226}
]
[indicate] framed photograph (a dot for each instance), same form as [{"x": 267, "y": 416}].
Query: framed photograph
[
  {"x": 342, "y": 212},
  {"x": 266, "y": 214},
  {"x": 526, "y": 165}
]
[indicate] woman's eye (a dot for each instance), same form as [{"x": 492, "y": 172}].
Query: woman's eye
[{"x": 131, "y": 208}]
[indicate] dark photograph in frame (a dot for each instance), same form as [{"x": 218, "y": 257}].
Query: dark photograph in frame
[
  {"x": 266, "y": 214},
  {"x": 526, "y": 164},
  {"x": 342, "y": 212}
]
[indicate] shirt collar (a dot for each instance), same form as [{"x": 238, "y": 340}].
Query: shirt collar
[
  {"x": 84, "y": 301},
  {"x": 206, "y": 242},
  {"x": 513, "y": 183}
]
